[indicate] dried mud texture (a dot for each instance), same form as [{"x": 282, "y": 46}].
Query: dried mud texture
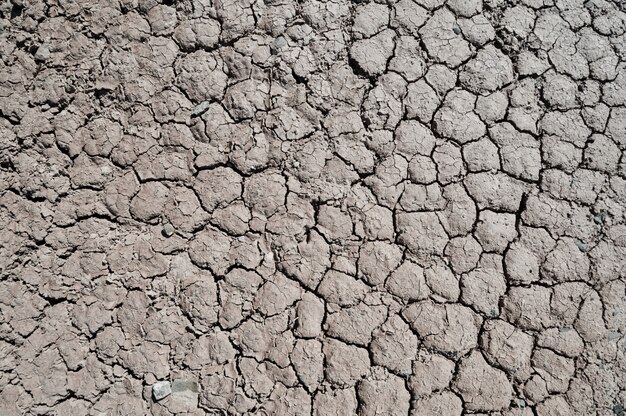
[{"x": 313, "y": 207}]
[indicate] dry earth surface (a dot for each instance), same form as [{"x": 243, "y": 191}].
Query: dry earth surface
[{"x": 313, "y": 207}]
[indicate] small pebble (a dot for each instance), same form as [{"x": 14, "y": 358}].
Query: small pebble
[
  {"x": 279, "y": 44},
  {"x": 581, "y": 246},
  {"x": 200, "y": 109},
  {"x": 184, "y": 385},
  {"x": 168, "y": 230},
  {"x": 613, "y": 335},
  {"x": 600, "y": 218},
  {"x": 161, "y": 390}
]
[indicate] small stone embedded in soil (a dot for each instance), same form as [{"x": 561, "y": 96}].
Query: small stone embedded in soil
[
  {"x": 184, "y": 385},
  {"x": 168, "y": 230},
  {"x": 161, "y": 390},
  {"x": 200, "y": 109},
  {"x": 581, "y": 246}
]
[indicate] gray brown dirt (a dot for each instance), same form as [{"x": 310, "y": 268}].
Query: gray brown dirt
[{"x": 313, "y": 207}]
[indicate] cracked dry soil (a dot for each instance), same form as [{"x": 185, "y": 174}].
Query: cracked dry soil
[{"x": 313, "y": 207}]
